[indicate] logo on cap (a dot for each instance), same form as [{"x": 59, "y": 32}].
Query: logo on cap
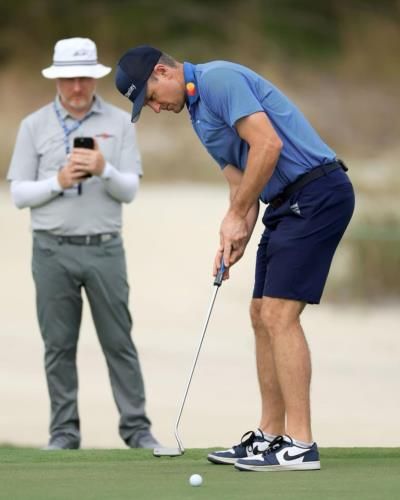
[
  {"x": 81, "y": 52},
  {"x": 130, "y": 90}
]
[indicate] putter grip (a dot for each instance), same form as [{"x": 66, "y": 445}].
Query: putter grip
[{"x": 220, "y": 274}]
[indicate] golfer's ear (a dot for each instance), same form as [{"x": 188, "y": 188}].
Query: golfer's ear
[{"x": 161, "y": 70}]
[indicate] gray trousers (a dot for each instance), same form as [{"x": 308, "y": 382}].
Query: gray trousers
[{"x": 60, "y": 271}]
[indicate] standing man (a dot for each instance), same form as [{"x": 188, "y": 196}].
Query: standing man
[
  {"x": 267, "y": 151},
  {"x": 75, "y": 196}
]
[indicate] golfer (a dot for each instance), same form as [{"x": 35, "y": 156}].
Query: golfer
[
  {"x": 75, "y": 197},
  {"x": 268, "y": 152}
]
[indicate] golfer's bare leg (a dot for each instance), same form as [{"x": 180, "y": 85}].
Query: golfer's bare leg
[
  {"x": 272, "y": 405},
  {"x": 281, "y": 318}
]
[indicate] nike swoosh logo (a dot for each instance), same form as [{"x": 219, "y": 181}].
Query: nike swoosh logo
[
  {"x": 257, "y": 450},
  {"x": 288, "y": 457}
]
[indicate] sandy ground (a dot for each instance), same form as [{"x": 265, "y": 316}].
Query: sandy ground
[{"x": 171, "y": 236}]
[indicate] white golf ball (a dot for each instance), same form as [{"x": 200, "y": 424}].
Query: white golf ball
[{"x": 196, "y": 480}]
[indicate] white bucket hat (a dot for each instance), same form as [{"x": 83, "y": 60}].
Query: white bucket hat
[{"x": 75, "y": 58}]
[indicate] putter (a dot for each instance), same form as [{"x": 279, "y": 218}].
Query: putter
[{"x": 175, "y": 452}]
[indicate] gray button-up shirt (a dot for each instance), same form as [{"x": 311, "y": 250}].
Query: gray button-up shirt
[{"x": 40, "y": 151}]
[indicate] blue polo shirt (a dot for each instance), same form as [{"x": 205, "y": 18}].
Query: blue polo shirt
[{"x": 219, "y": 93}]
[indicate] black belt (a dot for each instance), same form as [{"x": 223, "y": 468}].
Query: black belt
[
  {"x": 90, "y": 239},
  {"x": 304, "y": 179}
]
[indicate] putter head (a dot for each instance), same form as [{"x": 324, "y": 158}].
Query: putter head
[{"x": 168, "y": 452}]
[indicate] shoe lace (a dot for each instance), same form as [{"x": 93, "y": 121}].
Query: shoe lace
[
  {"x": 246, "y": 440},
  {"x": 275, "y": 445}
]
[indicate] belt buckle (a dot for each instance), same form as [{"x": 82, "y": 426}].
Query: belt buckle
[{"x": 105, "y": 237}]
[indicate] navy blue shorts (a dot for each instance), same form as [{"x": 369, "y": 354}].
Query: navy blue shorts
[{"x": 300, "y": 238}]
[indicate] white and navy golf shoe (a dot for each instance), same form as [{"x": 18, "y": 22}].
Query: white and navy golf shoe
[
  {"x": 250, "y": 444},
  {"x": 282, "y": 455}
]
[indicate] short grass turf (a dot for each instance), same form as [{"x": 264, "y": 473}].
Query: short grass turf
[{"x": 347, "y": 473}]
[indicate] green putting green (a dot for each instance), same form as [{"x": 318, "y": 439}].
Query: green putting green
[{"x": 347, "y": 473}]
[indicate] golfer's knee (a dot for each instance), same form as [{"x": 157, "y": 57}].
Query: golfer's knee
[
  {"x": 275, "y": 319},
  {"x": 255, "y": 316},
  {"x": 280, "y": 316},
  {"x": 271, "y": 320}
]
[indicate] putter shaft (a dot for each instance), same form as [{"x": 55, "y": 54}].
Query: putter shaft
[
  {"x": 214, "y": 295},
  {"x": 217, "y": 284},
  {"x": 180, "y": 450}
]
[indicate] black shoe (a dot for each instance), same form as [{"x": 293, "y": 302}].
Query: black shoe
[
  {"x": 252, "y": 443},
  {"x": 143, "y": 439},
  {"x": 62, "y": 442}
]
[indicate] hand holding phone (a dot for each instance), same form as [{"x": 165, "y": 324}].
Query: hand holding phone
[{"x": 86, "y": 143}]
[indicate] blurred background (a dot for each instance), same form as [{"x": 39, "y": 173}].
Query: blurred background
[{"x": 339, "y": 62}]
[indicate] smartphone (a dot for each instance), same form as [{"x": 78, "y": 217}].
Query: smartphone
[{"x": 84, "y": 142}]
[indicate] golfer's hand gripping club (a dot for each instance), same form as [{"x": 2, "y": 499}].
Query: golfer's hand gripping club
[{"x": 220, "y": 274}]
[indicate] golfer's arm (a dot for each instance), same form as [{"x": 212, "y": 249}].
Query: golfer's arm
[
  {"x": 234, "y": 177},
  {"x": 264, "y": 150}
]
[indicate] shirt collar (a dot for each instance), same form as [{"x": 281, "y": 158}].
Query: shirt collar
[
  {"x": 192, "y": 94},
  {"x": 97, "y": 107}
]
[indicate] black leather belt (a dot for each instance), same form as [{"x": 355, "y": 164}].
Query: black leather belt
[
  {"x": 304, "y": 179},
  {"x": 90, "y": 239}
]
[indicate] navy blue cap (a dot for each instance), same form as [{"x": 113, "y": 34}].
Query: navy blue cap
[{"x": 133, "y": 70}]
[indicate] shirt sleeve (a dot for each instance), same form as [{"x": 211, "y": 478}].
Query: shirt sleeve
[
  {"x": 227, "y": 93},
  {"x": 34, "y": 193},
  {"x": 130, "y": 158},
  {"x": 122, "y": 179},
  {"x": 122, "y": 186},
  {"x": 25, "y": 158}
]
